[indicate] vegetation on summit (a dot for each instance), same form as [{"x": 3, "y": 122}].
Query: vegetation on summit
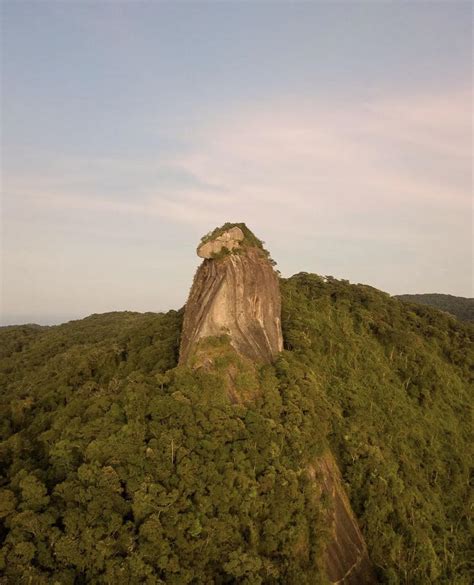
[
  {"x": 250, "y": 240},
  {"x": 120, "y": 467}
]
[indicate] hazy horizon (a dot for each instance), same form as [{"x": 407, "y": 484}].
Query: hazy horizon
[
  {"x": 341, "y": 133},
  {"x": 62, "y": 319}
]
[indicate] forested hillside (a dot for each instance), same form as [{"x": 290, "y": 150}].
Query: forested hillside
[
  {"x": 120, "y": 467},
  {"x": 460, "y": 307},
  {"x": 397, "y": 383}
]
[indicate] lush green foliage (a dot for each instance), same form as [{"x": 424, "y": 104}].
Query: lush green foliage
[
  {"x": 460, "y": 307},
  {"x": 397, "y": 392},
  {"x": 119, "y": 467}
]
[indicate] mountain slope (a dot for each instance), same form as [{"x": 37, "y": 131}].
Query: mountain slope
[
  {"x": 236, "y": 296},
  {"x": 395, "y": 381},
  {"x": 460, "y": 307},
  {"x": 120, "y": 467}
]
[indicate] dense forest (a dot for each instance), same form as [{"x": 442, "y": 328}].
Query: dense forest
[
  {"x": 118, "y": 466},
  {"x": 460, "y": 307}
]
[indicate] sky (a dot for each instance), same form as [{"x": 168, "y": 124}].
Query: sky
[{"x": 340, "y": 132}]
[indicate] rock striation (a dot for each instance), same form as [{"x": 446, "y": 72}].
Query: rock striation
[{"x": 235, "y": 294}]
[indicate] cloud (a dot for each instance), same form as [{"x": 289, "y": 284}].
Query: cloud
[
  {"x": 287, "y": 165},
  {"x": 377, "y": 192},
  {"x": 318, "y": 167}
]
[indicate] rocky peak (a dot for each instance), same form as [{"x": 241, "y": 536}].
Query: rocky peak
[{"x": 235, "y": 293}]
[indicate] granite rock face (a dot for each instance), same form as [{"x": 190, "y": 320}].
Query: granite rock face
[
  {"x": 346, "y": 558},
  {"x": 237, "y": 295}
]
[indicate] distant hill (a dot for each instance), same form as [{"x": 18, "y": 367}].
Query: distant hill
[{"x": 460, "y": 307}]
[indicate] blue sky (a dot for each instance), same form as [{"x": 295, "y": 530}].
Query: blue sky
[{"x": 340, "y": 132}]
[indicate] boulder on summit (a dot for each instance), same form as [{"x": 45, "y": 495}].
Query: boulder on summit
[{"x": 230, "y": 239}]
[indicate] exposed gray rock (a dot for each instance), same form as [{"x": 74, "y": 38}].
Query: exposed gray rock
[
  {"x": 237, "y": 295},
  {"x": 346, "y": 558}
]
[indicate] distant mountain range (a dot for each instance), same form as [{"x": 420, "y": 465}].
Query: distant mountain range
[{"x": 460, "y": 307}]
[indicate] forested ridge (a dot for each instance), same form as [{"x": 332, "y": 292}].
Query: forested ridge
[
  {"x": 460, "y": 307},
  {"x": 117, "y": 466}
]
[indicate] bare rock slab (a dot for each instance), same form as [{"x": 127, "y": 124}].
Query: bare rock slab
[{"x": 237, "y": 295}]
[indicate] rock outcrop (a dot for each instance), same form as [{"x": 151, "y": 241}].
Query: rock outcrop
[
  {"x": 346, "y": 557},
  {"x": 237, "y": 295}
]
